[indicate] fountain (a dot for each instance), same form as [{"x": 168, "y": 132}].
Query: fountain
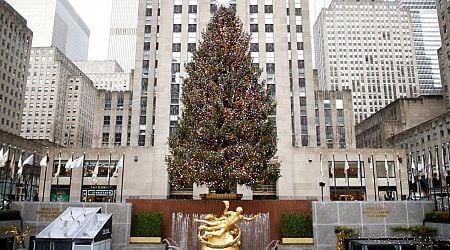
[{"x": 186, "y": 231}]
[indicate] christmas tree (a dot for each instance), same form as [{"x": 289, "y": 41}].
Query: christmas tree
[{"x": 224, "y": 137}]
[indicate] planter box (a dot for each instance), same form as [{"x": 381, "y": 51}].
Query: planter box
[
  {"x": 298, "y": 241},
  {"x": 214, "y": 196},
  {"x": 144, "y": 240}
]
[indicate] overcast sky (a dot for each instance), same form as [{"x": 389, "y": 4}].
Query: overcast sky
[{"x": 97, "y": 14}]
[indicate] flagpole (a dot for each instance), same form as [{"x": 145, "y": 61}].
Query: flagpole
[
  {"x": 321, "y": 183},
  {"x": 109, "y": 177},
  {"x": 1, "y": 172},
  {"x": 334, "y": 177},
  {"x": 16, "y": 196},
  {"x": 430, "y": 160},
  {"x": 45, "y": 177},
  {"x": 413, "y": 177},
  {"x": 373, "y": 176},
  {"x": 363, "y": 191},
  {"x": 121, "y": 185},
  {"x": 440, "y": 177},
  {"x": 32, "y": 178},
  {"x": 12, "y": 176},
  {"x": 346, "y": 166},
  {"x": 82, "y": 179},
  {"x": 96, "y": 177},
  {"x": 71, "y": 172}
]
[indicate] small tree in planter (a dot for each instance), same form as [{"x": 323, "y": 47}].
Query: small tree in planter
[
  {"x": 296, "y": 225},
  {"x": 343, "y": 232},
  {"x": 146, "y": 227}
]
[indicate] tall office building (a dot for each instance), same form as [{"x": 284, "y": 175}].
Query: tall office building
[
  {"x": 280, "y": 45},
  {"x": 427, "y": 41},
  {"x": 368, "y": 47},
  {"x": 60, "y": 100},
  {"x": 14, "y": 55},
  {"x": 55, "y": 23},
  {"x": 122, "y": 35},
  {"x": 444, "y": 51},
  {"x": 107, "y": 75}
]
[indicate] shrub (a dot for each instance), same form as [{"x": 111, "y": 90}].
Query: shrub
[
  {"x": 296, "y": 225},
  {"x": 147, "y": 224},
  {"x": 9, "y": 215},
  {"x": 441, "y": 216},
  {"x": 419, "y": 231}
]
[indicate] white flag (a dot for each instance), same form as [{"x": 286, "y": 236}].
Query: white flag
[
  {"x": 95, "y": 172},
  {"x": 12, "y": 166},
  {"x": 78, "y": 162},
  {"x": 430, "y": 167},
  {"x": 43, "y": 162},
  {"x": 422, "y": 165},
  {"x": 438, "y": 170},
  {"x": 20, "y": 165},
  {"x": 69, "y": 163},
  {"x": 29, "y": 160},
  {"x": 413, "y": 169},
  {"x": 386, "y": 167},
  {"x": 443, "y": 161},
  {"x": 359, "y": 167},
  {"x": 120, "y": 165},
  {"x": 346, "y": 167},
  {"x": 4, "y": 158},
  {"x": 371, "y": 169},
  {"x": 58, "y": 170},
  {"x": 332, "y": 167}
]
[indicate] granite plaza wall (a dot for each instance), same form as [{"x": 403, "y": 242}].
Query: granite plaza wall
[{"x": 369, "y": 219}]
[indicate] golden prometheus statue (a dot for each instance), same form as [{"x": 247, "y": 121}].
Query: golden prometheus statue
[
  {"x": 222, "y": 232},
  {"x": 19, "y": 235}
]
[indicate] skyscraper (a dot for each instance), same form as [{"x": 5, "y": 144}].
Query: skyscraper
[
  {"x": 55, "y": 23},
  {"x": 60, "y": 100},
  {"x": 122, "y": 36},
  {"x": 14, "y": 55},
  {"x": 366, "y": 46},
  {"x": 444, "y": 51},
  {"x": 427, "y": 41}
]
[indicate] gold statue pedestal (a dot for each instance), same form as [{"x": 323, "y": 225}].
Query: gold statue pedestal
[
  {"x": 222, "y": 232},
  {"x": 220, "y": 241}
]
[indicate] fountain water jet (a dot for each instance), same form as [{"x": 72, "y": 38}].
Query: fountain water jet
[{"x": 255, "y": 234}]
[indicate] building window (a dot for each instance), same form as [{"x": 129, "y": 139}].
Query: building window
[
  {"x": 119, "y": 120},
  {"x": 192, "y": 9},
  {"x": 253, "y": 9},
  {"x": 117, "y": 138},
  {"x": 269, "y": 47},
  {"x": 177, "y": 9},
  {"x": 191, "y": 47},
  {"x": 298, "y": 28},
  {"x": 268, "y": 8},
  {"x": 254, "y": 47},
  {"x": 176, "y": 47},
  {"x": 298, "y": 11},
  {"x": 106, "y": 120},
  {"x": 269, "y": 27},
  {"x": 253, "y": 27},
  {"x": 177, "y": 28},
  {"x": 270, "y": 68},
  {"x": 192, "y": 28},
  {"x": 148, "y": 12}
]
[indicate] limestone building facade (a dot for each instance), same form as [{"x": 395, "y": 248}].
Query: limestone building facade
[
  {"x": 357, "y": 49},
  {"x": 15, "y": 46},
  {"x": 60, "y": 100},
  {"x": 107, "y": 75}
]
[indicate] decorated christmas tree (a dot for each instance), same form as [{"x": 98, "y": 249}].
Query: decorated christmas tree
[{"x": 224, "y": 137}]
